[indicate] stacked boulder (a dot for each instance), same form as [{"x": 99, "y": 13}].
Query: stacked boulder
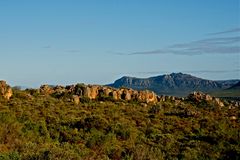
[
  {"x": 46, "y": 89},
  {"x": 199, "y": 97},
  {"x": 92, "y": 92},
  {"x": 95, "y": 91},
  {"x": 5, "y": 90}
]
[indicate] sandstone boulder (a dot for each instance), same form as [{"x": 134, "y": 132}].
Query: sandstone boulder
[
  {"x": 233, "y": 118},
  {"x": 59, "y": 89},
  {"x": 199, "y": 96},
  {"x": 151, "y": 97},
  {"x": 91, "y": 92},
  {"x": 115, "y": 95},
  {"x": 218, "y": 102},
  {"x": 46, "y": 89},
  {"x": 147, "y": 96},
  {"x": 5, "y": 90},
  {"x": 126, "y": 95},
  {"x": 107, "y": 91},
  {"x": 76, "y": 99}
]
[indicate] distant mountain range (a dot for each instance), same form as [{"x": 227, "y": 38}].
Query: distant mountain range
[
  {"x": 175, "y": 84},
  {"x": 236, "y": 86}
]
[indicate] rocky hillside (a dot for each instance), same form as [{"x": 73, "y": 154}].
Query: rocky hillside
[
  {"x": 232, "y": 92},
  {"x": 98, "y": 122},
  {"x": 176, "y": 84},
  {"x": 80, "y": 93},
  {"x": 228, "y": 83}
]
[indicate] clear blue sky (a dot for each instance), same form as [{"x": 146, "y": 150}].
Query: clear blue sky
[{"x": 98, "y": 41}]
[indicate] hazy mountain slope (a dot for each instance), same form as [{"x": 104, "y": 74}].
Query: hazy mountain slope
[
  {"x": 236, "y": 86},
  {"x": 232, "y": 92},
  {"x": 177, "y": 84},
  {"x": 228, "y": 83}
]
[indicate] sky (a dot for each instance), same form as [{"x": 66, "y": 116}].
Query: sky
[{"x": 96, "y": 42}]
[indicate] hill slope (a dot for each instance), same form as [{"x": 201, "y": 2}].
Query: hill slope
[
  {"x": 176, "y": 84},
  {"x": 236, "y": 86},
  {"x": 232, "y": 92},
  {"x": 44, "y": 125}
]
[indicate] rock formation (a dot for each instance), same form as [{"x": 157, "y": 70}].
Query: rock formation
[
  {"x": 76, "y": 99},
  {"x": 5, "y": 90},
  {"x": 81, "y": 92},
  {"x": 91, "y": 92},
  {"x": 46, "y": 89},
  {"x": 199, "y": 96},
  {"x": 96, "y": 91}
]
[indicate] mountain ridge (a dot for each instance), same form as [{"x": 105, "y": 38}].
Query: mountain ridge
[
  {"x": 235, "y": 86},
  {"x": 175, "y": 84}
]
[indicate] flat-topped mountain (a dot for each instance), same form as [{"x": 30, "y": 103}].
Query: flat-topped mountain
[{"x": 176, "y": 84}]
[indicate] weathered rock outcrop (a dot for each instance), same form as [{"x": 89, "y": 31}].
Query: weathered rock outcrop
[
  {"x": 147, "y": 96},
  {"x": 199, "y": 96},
  {"x": 59, "y": 90},
  {"x": 46, "y": 89},
  {"x": 92, "y": 92},
  {"x": 78, "y": 92},
  {"x": 76, "y": 99},
  {"x": 5, "y": 90},
  {"x": 96, "y": 91}
]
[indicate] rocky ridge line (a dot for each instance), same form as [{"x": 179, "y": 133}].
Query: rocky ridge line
[{"x": 94, "y": 92}]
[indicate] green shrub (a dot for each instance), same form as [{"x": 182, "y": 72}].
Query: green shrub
[
  {"x": 85, "y": 100},
  {"x": 10, "y": 156},
  {"x": 46, "y": 127}
]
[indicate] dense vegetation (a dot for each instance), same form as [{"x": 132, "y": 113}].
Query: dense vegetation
[{"x": 34, "y": 126}]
